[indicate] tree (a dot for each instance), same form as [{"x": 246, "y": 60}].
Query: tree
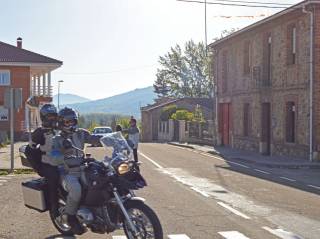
[
  {"x": 182, "y": 115},
  {"x": 184, "y": 73},
  {"x": 161, "y": 85},
  {"x": 167, "y": 111}
]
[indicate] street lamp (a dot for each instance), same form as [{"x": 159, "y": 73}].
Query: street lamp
[{"x": 60, "y": 81}]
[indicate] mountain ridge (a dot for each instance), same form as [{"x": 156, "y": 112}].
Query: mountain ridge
[
  {"x": 127, "y": 103},
  {"x": 67, "y": 98}
]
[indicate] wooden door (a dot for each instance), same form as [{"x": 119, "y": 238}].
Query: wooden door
[{"x": 266, "y": 128}]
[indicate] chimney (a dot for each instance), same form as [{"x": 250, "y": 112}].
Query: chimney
[{"x": 19, "y": 42}]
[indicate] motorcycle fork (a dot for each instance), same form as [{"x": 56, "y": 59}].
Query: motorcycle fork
[{"x": 124, "y": 211}]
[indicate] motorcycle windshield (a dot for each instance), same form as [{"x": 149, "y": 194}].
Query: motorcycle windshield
[{"x": 116, "y": 141}]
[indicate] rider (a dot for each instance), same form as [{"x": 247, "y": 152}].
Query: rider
[
  {"x": 40, "y": 147},
  {"x": 73, "y": 158}
]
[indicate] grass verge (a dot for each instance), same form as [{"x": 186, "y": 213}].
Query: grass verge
[{"x": 4, "y": 172}]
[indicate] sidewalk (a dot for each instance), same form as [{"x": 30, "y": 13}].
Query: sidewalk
[
  {"x": 5, "y": 162},
  {"x": 253, "y": 157}
]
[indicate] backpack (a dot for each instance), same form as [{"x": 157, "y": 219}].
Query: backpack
[{"x": 34, "y": 158}]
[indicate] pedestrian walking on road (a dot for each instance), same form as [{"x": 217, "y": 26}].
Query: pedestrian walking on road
[{"x": 133, "y": 136}]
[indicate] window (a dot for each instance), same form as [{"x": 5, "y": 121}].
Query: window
[
  {"x": 224, "y": 71},
  {"x": 4, "y": 78},
  {"x": 267, "y": 57},
  {"x": 290, "y": 122},
  {"x": 291, "y": 44},
  {"x": 246, "y": 119},
  {"x": 246, "y": 58}
]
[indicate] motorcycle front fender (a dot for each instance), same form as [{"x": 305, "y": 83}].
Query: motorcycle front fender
[{"x": 137, "y": 199}]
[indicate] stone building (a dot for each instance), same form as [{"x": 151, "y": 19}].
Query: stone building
[
  {"x": 266, "y": 75},
  {"x": 150, "y": 115}
]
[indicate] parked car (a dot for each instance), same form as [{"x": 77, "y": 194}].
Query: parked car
[{"x": 101, "y": 131}]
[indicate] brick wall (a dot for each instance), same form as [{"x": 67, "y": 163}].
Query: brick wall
[{"x": 20, "y": 78}]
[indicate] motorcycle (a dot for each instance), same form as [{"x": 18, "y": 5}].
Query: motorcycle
[{"x": 108, "y": 202}]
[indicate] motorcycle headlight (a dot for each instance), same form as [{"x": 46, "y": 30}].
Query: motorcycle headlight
[{"x": 123, "y": 168}]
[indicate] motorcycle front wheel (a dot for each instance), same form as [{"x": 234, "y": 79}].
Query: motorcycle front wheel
[
  {"x": 60, "y": 223},
  {"x": 145, "y": 220}
]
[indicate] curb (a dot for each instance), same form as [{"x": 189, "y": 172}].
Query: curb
[
  {"x": 268, "y": 165},
  {"x": 181, "y": 145}
]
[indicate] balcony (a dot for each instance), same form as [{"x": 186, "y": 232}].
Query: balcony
[{"x": 40, "y": 85}]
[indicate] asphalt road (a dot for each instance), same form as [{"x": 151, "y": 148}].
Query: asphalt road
[{"x": 196, "y": 196}]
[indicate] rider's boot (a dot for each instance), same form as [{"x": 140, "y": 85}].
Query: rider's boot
[{"x": 76, "y": 227}]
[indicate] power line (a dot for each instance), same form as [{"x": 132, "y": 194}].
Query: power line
[
  {"x": 252, "y": 2},
  {"x": 106, "y": 72},
  {"x": 231, "y": 4}
]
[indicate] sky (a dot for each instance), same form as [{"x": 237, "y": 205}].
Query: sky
[{"x": 112, "y": 46}]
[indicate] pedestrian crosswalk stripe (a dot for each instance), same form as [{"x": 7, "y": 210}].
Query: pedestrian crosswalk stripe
[
  {"x": 233, "y": 235},
  {"x": 178, "y": 236},
  {"x": 282, "y": 233},
  {"x": 173, "y": 236}
]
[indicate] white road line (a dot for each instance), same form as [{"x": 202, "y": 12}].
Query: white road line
[
  {"x": 289, "y": 179},
  {"x": 1, "y": 184},
  {"x": 240, "y": 214},
  {"x": 119, "y": 237},
  {"x": 3, "y": 181},
  {"x": 233, "y": 235},
  {"x": 4, "y": 178},
  {"x": 201, "y": 192},
  {"x": 282, "y": 233},
  {"x": 10, "y": 175},
  {"x": 155, "y": 163},
  {"x": 178, "y": 236},
  {"x": 261, "y": 171},
  {"x": 316, "y": 187},
  {"x": 239, "y": 164}
]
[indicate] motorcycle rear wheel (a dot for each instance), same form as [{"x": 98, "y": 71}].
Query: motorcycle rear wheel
[{"x": 145, "y": 220}]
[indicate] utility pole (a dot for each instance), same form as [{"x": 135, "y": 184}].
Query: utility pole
[
  {"x": 205, "y": 26},
  {"x": 60, "y": 81}
]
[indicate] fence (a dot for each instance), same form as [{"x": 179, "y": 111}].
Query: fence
[
  {"x": 191, "y": 132},
  {"x": 200, "y": 132}
]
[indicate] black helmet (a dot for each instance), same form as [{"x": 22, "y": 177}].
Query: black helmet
[
  {"x": 49, "y": 116},
  {"x": 68, "y": 119}
]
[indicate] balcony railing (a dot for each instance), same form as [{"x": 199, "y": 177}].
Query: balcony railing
[{"x": 42, "y": 91}]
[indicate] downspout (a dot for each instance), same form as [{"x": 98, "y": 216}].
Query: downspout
[
  {"x": 311, "y": 62},
  {"x": 216, "y": 97}
]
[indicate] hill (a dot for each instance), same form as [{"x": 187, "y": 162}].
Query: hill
[
  {"x": 69, "y": 99},
  {"x": 128, "y": 103}
]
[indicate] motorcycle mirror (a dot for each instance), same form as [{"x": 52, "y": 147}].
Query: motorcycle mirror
[{"x": 67, "y": 144}]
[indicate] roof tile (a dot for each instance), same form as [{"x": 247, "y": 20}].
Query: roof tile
[{"x": 10, "y": 53}]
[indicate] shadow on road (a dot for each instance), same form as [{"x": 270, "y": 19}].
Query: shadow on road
[
  {"x": 60, "y": 237},
  {"x": 270, "y": 177}
]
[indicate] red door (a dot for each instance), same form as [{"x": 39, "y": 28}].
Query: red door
[{"x": 225, "y": 123}]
